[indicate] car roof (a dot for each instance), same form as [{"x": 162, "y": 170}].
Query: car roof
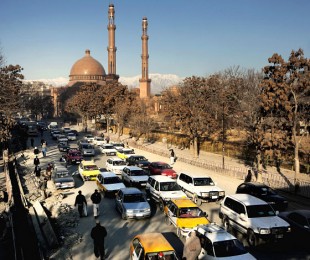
[
  {"x": 116, "y": 159},
  {"x": 61, "y": 168},
  {"x": 131, "y": 191},
  {"x": 195, "y": 176},
  {"x": 147, "y": 241},
  {"x": 214, "y": 232},
  {"x": 247, "y": 199},
  {"x": 160, "y": 162},
  {"x": 162, "y": 178},
  {"x": 181, "y": 203},
  {"x": 133, "y": 168},
  {"x": 91, "y": 162},
  {"x": 107, "y": 174}
]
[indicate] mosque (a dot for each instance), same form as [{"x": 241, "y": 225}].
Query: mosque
[{"x": 87, "y": 69}]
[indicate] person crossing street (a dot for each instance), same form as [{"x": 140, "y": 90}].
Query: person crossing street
[{"x": 96, "y": 199}]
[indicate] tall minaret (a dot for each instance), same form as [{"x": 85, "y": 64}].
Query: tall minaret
[
  {"x": 145, "y": 82},
  {"x": 111, "y": 48}
]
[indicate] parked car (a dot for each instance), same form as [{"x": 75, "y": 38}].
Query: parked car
[
  {"x": 151, "y": 246},
  {"x": 265, "y": 193},
  {"x": 98, "y": 140},
  {"x": 299, "y": 221},
  {"x": 132, "y": 203},
  {"x": 87, "y": 149},
  {"x": 162, "y": 168},
  {"x": 109, "y": 183},
  {"x": 63, "y": 146},
  {"x": 62, "y": 179},
  {"x": 123, "y": 153},
  {"x": 71, "y": 136},
  {"x": 107, "y": 149},
  {"x": 200, "y": 188},
  {"x": 217, "y": 243},
  {"x": 115, "y": 164},
  {"x": 162, "y": 189},
  {"x": 253, "y": 217},
  {"x": 134, "y": 176},
  {"x": 88, "y": 170},
  {"x": 74, "y": 156},
  {"x": 139, "y": 161},
  {"x": 184, "y": 215}
]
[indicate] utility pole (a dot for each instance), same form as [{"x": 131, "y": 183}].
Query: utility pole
[{"x": 223, "y": 137}]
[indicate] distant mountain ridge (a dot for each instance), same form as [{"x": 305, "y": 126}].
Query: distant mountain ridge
[{"x": 159, "y": 81}]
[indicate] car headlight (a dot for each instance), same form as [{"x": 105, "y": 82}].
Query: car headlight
[
  {"x": 289, "y": 229},
  {"x": 147, "y": 210},
  {"x": 205, "y": 194},
  {"x": 130, "y": 211},
  {"x": 264, "y": 231},
  {"x": 222, "y": 193}
]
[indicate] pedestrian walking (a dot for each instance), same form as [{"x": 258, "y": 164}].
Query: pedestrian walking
[
  {"x": 37, "y": 171},
  {"x": 36, "y": 151},
  {"x": 36, "y": 161},
  {"x": 192, "y": 247},
  {"x": 107, "y": 139},
  {"x": 32, "y": 142},
  {"x": 49, "y": 171},
  {"x": 81, "y": 202},
  {"x": 172, "y": 156},
  {"x": 96, "y": 199},
  {"x": 44, "y": 149},
  {"x": 98, "y": 233}
]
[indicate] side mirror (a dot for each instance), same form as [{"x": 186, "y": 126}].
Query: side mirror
[
  {"x": 205, "y": 214},
  {"x": 191, "y": 184},
  {"x": 277, "y": 212}
]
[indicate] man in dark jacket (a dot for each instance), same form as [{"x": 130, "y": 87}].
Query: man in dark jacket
[
  {"x": 98, "y": 233},
  {"x": 80, "y": 201},
  {"x": 96, "y": 199},
  {"x": 36, "y": 161}
]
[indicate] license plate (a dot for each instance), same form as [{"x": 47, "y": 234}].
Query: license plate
[
  {"x": 214, "y": 197},
  {"x": 279, "y": 236},
  {"x": 139, "y": 215},
  {"x": 143, "y": 184}
]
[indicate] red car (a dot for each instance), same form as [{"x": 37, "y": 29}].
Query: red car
[
  {"x": 162, "y": 168},
  {"x": 74, "y": 156}
]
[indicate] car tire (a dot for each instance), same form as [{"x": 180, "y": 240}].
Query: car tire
[
  {"x": 161, "y": 205},
  {"x": 124, "y": 216},
  {"x": 252, "y": 238},
  {"x": 197, "y": 200},
  {"x": 178, "y": 232},
  {"x": 226, "y": 224}
]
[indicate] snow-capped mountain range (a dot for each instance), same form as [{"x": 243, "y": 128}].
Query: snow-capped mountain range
[{"x": 159, "y": 81}]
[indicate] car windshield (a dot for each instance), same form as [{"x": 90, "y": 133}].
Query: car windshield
[
  {"x": 128, "y": 152},
  {"x": 203, "y": 182},
  {"x": 228, "y": 248},
  {"x": 119, "y": 163},
  {"x": 90, "y": 167},
  {"x": 190, "y": 212},
  {"x": 87, "y": 146},
  {"x": 112, "y": 180},
  {"x": 62, "y": 174},
  {"x": 99, "y": 139},
  {"x": 132, "y": 198},
  {"x": 169, "y": 255},
  {"x": 108, "y": 147},
  {"x": 137, "y": 173},
  {"x": 164, "y": 166},
  {"x": 169, "y": 186},
  {"x": 265, "y": 191},
  {"x": 75, "y": 154},
  {"x": 139, "y": 158},
  {"x": 258, "y": 211}
]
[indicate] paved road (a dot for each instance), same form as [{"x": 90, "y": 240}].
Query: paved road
[{"x": 120, "y": 232}]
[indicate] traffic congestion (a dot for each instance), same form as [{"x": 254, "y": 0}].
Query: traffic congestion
[{"x": 152, "y": 209}]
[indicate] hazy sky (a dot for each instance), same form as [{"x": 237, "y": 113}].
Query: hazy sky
[{"x": 186, "y": 37}]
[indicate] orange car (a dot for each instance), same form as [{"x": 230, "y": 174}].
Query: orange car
[{"x": 151, "y": 246}]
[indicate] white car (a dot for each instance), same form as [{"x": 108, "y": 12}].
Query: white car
[
  {"x": 115, "y": 164},
  {"x": 216, "y": 243},
  {"x": 107, "y": 149},
  {"x": 253, "y": 217},
  {"x": 71, "y": 136},
  {"x": 162, "y": 189},
  {"x": 89, "y": 138},
  {"x": 200, "y": 188},
  {"x": 109, "y": 183},
  {"x": 66, "y": 130},
  {"x": 62, "y": 138},
  {"x": 98, "y": 140}
]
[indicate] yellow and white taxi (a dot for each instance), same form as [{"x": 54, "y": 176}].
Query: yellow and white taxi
[
  {"x": 109, "y": 183},
  {"x": 184, "y": 215},
  {"x": 88, "y": 170},
  {"x": 151, "y": 246}
]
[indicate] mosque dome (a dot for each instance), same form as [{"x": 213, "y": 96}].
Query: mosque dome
[{"x": 87, "y": 69}]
